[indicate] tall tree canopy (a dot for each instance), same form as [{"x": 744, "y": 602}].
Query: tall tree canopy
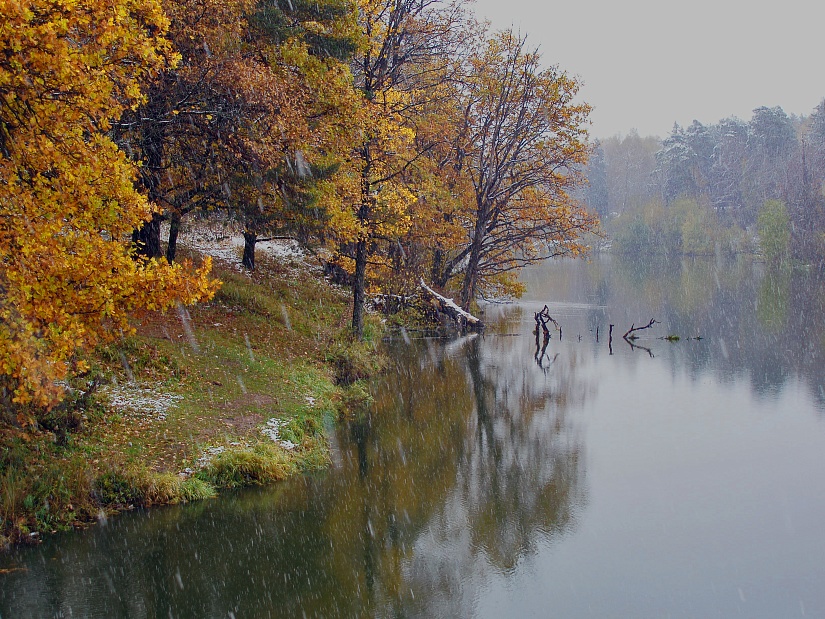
[
  {"x": 520, "y": 141},
  {"x": 214, "y": 127},
  {"x": 393, "y": 73}
]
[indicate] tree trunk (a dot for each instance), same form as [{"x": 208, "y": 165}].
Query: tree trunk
[
  {"x": 147, "y": 237},
  {"x": 249, "y": 240},
  {"x": 174, "y": 228},
  {"x": 358, "y": 287},
  {"x": 359, "y": 282},
  {"x": 438, "y": 274},
  {"x": 468, "y": 289},
  {"x": 463, "y": 320}
]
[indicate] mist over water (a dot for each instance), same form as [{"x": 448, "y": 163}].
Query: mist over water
[{"x": 495, "y": 477}]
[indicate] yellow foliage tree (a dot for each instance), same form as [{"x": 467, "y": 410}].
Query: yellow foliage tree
[
  {"x": 401, "y": 38},
  {"x": 68, "y": 277}
]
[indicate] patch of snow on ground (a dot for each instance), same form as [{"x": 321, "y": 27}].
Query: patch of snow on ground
[
  {"x": 221, "y": 243},
  {"x": 285, "y": 249},
  {"x": 272, "y": 430},
  {"x": 226, "y": 242},
  {"x": 207, "y": 456},
  {"x": 140, "y": 399}
]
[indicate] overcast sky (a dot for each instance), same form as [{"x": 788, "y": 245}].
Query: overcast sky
[{"x": 648, "y": 63}]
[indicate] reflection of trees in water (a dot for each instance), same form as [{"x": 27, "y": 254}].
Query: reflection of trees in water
[
  {"x": 519, "y": 477},
  {"x": 761, "y": 325},
  {"x": 398, "y": 465},
  {"x": 203, "y": 560},
  {"x": 772, "y": 300},
  {"x": 523, "y": 472}
]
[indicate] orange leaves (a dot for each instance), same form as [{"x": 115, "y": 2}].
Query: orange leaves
[
  {"x": 91, "y": 52},
  {"x": 207, "y": 28},
  {"x": 67, "y": 200},
  {"x": 514, "y": 138}
]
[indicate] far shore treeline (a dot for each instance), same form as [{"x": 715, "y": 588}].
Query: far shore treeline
[
  {"x": 731, "y": 187},
  {"x": 399, "y": 140}
]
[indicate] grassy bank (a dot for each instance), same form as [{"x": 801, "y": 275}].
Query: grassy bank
[{"x": 236, "y": 392}]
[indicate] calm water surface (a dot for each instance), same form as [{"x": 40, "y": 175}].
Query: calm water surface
[{"x": 673, "y": 479}]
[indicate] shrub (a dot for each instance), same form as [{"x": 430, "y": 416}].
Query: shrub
[{"x": 248, "y": 466}]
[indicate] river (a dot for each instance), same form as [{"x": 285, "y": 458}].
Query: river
[{"x": 492, "y": 478}]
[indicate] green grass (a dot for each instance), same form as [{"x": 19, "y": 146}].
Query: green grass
[
  {"x": 262, "y": 464},
  {"x": 139, "y": 486},
  {"x": 273, "y": 344}
]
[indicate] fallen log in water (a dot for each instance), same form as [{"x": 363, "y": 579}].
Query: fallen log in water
[{"x": 463, "y": 319}]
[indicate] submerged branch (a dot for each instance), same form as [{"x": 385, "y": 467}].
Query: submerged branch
[
  {"x": 542, "y": 318},
  {"x": 633, "y": 328},
  {"x": 448, "y": 306}
]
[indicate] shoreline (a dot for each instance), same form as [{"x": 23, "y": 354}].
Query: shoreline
[{"x": 235, "y": 392}]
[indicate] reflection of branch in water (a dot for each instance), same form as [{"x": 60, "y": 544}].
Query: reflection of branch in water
[
  {"x": 541, "y": 352},
  {"x": 540, "y": 361},
  {"x": 635, "y": 346},
  {"x": 457, "y": 344}
]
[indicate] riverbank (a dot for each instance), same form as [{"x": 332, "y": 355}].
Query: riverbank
[{"x": 235, "y": 392}]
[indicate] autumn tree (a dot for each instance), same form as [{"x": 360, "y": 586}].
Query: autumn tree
[
  {"x": 313, "y": 42},
  {"x": 68, "y": 279},
  {"x": 393, "y": 77},
  {"x": 520, "y": 141},
  {"x": 440, "y": 189},
  {"x": 221, "y": 129},
  {"x": 180, "y": 132}
]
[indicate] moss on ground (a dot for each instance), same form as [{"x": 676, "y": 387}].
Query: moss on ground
[{"x": 178, "y": 411}]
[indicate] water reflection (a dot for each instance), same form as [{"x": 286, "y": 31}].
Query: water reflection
[
  {"x": 754, "y": 321},
  {"x": 520, "y": 480}
]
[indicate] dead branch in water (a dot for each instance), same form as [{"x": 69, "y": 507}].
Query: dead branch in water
[
  {"x": 633, "y": 328},
  {"x": 610, "y": 340},
  {"x": 542, "y": 318}
]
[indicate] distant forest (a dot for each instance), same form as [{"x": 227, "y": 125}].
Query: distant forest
[{"x": 735, "y": 186}]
